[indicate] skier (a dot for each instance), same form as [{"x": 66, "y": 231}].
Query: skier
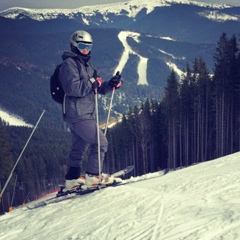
[{"x": 80, "y": 88}]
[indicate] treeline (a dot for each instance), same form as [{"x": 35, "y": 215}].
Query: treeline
[
  {"x": 197, "y": 120},
  {"x": 41, "y": 167}
]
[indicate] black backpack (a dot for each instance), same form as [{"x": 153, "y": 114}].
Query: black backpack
[{"x": 56, "y": 89}]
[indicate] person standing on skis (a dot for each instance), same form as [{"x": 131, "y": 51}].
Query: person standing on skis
[{"x": 80, "y": 87}]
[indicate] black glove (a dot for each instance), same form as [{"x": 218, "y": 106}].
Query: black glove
[
  {"x": 96, "y": 84},
  {"x": 115, "y": 81}
]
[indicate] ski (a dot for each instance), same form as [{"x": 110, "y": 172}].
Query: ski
[
  {"x": 61, "y": 195},
  {"x": 123, "y": 171}
]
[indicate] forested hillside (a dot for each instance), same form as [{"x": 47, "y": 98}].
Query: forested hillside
[{"x": 197, "y": 120}]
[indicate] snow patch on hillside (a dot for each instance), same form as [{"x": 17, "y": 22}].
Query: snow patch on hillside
[
  {"x": 218, "y": 17},
  {"x": 142, "y": 64},
  {"x": 143, "y": 61},
  {"x": 13, "y": 120},
  {"x": 174, "y": 67}
]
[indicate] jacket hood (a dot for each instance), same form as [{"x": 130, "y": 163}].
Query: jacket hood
[
  {"x": 66, "y": 55},
  {"x": 82, "y": 58}
]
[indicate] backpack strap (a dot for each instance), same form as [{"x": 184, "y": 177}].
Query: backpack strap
[
  {"x": 79, "y": 70},
  {"x": 78, "y": 65}
]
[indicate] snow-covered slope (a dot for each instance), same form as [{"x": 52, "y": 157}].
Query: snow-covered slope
[
  {"x": 142, "y": 64},
  {"x": 129, "y": 8},
  {"x": 199, "y": 202},
  {"x": 219, "y": 17}
]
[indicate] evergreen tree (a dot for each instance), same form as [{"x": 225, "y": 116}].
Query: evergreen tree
[
  {"x": 6, "y": 158},
  {"x": 203, "y": 109},
  {"x": 159, "y": 141},
  {"x": 171, "y": 106},
  {"x": 120, "y": 144},
  {"x": 186, "y": 115},
  {"x": 141, "y": 126},
  {"x": 225, "y": 79}
]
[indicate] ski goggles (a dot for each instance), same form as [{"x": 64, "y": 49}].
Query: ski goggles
[{"x": 83, "y": 46}]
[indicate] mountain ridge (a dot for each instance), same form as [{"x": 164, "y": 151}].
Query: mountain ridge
[{"x": 130, "y": 9}]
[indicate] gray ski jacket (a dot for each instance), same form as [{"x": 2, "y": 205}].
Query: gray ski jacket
[{"x": 79, "y": 101}]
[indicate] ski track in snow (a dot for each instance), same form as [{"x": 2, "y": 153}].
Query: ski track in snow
[
  {"x": 158, "y": 223},
  {"x": 200, "y": 202},
  {"x": 143, "y": 61},
  {"x": 142, "y": 65}
]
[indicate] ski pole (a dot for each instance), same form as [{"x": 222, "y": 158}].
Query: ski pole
[
  {"x": 98, "y": 135},
  {"x": 110, "y": 106},
  {"x": 4, "y": 187},
  {"x": 109, "y": 110}
]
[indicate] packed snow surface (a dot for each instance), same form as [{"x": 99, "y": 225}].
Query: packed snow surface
[{"x": 198, "y": 202}]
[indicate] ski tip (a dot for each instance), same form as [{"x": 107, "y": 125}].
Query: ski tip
[{"x": 130, "y": 168}]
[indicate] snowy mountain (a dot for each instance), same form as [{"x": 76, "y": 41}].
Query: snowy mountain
[
  {"x": 179, "y": 19},
  {"x": 144, "y": 40},
  {"x": 129, "y": 9},
  {"x": 198, "y": 202}
]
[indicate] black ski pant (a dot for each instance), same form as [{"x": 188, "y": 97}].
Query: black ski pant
[{"x": 84, "y": 136}]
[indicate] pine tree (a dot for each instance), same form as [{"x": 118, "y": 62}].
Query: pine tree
[
  {"x": 171, "y": 106},
  {"x": 159, "y": 141},
  {"x": 186, "y": 114},
  {"x": 225, "y": 74},
  {"x": 203, "y": 109},
  {"x": 6, "y": 158},
  {"x": 141, "y": 126}
]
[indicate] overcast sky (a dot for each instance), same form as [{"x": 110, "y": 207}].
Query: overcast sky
[{"x": 4, "y": 4}]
